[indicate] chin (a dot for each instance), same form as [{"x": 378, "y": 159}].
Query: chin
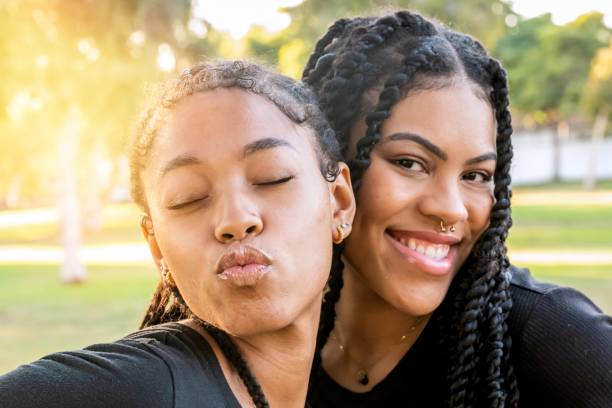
[
  {"x": 420, "y": 301},
  {"x": 252, "y": 324}
]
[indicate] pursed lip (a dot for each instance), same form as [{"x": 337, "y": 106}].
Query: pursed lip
[{"x": 241, "y": 255}]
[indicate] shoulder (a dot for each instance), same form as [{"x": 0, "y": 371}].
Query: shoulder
[
  {"x": 562, "y": 343},
  {"x": 144, "y": 369}
]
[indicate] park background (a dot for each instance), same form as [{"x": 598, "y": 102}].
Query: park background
[{"x": 75, "y": 73}]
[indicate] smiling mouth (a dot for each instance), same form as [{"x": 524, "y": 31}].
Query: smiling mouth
[
  {"x": 433, "y": 251},
  {"x": 435, "y": 258}
]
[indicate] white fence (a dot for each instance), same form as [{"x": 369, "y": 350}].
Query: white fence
[{"x": 534, "y": 159}]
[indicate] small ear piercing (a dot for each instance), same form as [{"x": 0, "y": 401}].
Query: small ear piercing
[
  {"x": 443, "y": 228},
  {"x": 340, "y": 228},
  {"x": 146, "y": 223}
]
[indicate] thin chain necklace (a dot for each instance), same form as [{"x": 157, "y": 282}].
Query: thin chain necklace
[{"x": 363, "y": 376}]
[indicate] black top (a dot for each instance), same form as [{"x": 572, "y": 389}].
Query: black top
[
  {"x": 562, "y": 355},
  {"x": 169, "y": 365}
]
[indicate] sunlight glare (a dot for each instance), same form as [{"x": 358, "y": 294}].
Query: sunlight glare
[{"x": 237, "y": 16}]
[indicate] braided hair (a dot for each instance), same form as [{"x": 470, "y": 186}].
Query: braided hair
[
  {"x": 391, "y": 57},
  {"x": 288, "y": 95}
]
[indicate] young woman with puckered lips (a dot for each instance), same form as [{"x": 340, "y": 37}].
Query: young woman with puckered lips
[
  {"x": 424, "y": 308},
  {"x": 238, "y": 175}
]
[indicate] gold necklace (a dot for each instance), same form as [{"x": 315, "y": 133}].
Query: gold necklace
[{"x": 362, "y": 375}]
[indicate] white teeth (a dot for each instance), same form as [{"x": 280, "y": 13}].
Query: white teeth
[
  {"x": 433, "y": 251},
  {"x": 412, "y": 244},
  {"x": 445, "y": 250}
]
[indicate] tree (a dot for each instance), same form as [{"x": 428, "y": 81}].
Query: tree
[
  {"x": 74, "y": 74},
  {"x": 597, "y": 101},
  {"x": 548, "y": 66},
  {"x": 310, "y": 19}
]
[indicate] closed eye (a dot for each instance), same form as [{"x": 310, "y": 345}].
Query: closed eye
[
  {"x": 274, "y": 182},
  {"x": 187, "y": 203}
]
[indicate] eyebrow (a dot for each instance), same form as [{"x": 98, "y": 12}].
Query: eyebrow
[
  {"x": 256, "y": 146},
  {"x": 264, "y": 144},
  {"x": 481, "y": 158},
  {"x": 417, "y": 139},
  {"x": 435, "y": 149},
  {"x": 179, "y": 161}
]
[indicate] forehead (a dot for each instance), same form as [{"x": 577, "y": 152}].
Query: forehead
[
  {"x": 453, "y": 116},
  {"x": 217, "y": 123}
]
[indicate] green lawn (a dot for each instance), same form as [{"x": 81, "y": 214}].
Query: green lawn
[
  {"x": 561, "y": 227},
  {"x": 39, "y": 315}
]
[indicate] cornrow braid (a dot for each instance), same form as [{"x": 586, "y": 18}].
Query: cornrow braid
[
  {"x": 348, "y": 69},
  {"x": 424, "y": 56},
  {"x": 163, "y": 308},
  {"x": 230, "y": 351},
  {"x": 328, "y": 309},
  {"x": 334, "y": 30},
  {"x": 499, "y": 96},
  {"x": 419, "y": 54},
  {"x": 233, "y": 354}
]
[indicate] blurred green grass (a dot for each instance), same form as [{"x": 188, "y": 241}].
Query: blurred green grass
[
  {"x": 39, "y": 315},
  {"x": 561, "y": 227}
]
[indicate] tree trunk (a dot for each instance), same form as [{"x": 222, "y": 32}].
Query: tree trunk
[
  {"x": 96, "y": 180},
  {"x": 72, "y": 269},
  {"x": 561, "y": 134},
  {"x": 599, "y": 130}
]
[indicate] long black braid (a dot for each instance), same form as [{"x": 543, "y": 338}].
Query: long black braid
[
  {"x": 295, "y": 101},
  {"x": 391, "y": 57}
]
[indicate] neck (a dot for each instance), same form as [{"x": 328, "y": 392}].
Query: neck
[
  {"x": 368, "y": 322},
  {"x": 280, "y": 360}
]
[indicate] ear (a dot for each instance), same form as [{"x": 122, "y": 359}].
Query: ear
[
  {"x": 146, "y": 226},
  {"x": 343, "y": 201}
]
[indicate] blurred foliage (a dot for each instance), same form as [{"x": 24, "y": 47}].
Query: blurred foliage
[
  {"x": 597, "y": 95},
  {"x": 291, "y": 47},
  {"x": 549, "y": 65},
  {"x": 67, "y": 59}
]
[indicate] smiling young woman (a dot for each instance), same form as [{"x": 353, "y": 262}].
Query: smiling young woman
[
  {"x": 428, "y": 311},
  {"x": 237, "y": 173}
]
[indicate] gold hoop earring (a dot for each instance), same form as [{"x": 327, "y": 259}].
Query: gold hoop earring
[{"x": 340, "y": 228}]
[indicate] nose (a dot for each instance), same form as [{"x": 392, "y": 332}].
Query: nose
[
  {"x": 237, "y": 218},
  {"x": 445, "y": 202}
]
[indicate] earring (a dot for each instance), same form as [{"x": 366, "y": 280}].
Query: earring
[
  {"x": 443, "y": 227},
  {"x": 340, "y": 228},
  {"x": 166, "y": 274},
  {"x": 145, "y": 222}
]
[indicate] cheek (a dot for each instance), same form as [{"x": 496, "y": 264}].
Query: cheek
[
  {"x": 378, "y": 192},
  {"x": 479, "y": 210}
]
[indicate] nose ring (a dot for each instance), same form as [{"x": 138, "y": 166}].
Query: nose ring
[{"x": 443, "y": 228}]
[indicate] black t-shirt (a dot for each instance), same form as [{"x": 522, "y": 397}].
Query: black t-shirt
[
  {"x": 169, "y": 365},
  {"x": 562, "y": 354}
]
